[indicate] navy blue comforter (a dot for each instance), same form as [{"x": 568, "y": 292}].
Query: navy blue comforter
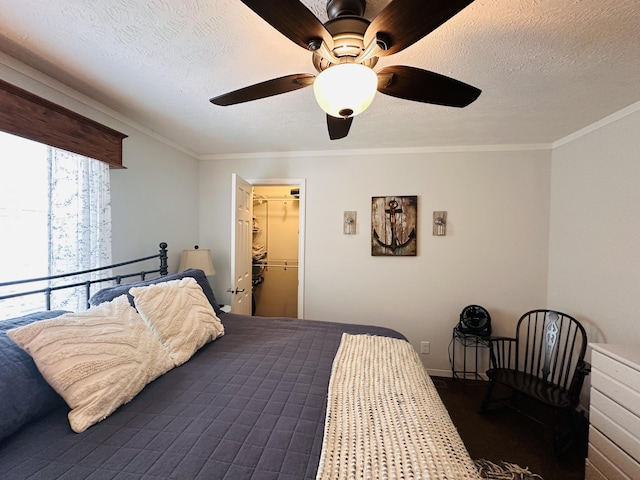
[{"x": 250, "y": 405}]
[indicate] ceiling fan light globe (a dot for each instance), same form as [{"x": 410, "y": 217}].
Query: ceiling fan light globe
[{"x": 343, "y": 88}]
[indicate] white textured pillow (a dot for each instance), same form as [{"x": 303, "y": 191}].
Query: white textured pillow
[
  {"x": 180, "y": 314},
  {"x": 96, "y": 360}
]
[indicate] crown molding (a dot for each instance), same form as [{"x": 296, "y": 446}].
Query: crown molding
[
  {"x": 603, "y": 122},
  {"x": 379, "y": 151}
]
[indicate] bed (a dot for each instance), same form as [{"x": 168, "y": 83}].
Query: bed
[{"x": 266, "y": 398}]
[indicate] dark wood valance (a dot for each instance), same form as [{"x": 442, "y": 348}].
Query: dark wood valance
[{"x": 29, "y": 116}]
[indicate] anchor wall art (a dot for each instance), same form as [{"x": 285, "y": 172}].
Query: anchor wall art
[{"x": 393, "y": 226}]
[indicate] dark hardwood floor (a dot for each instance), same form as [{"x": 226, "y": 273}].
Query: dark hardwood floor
[{"x": 508, "y": 436}]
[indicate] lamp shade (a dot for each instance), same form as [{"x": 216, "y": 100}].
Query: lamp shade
[
  {"x": 199, "y": 258},
  {"x": 346, "y": 89}
]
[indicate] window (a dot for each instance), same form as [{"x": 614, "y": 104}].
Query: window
[
  {"x": 55, "y": 217},
  {"x": 54, "y": 205}
]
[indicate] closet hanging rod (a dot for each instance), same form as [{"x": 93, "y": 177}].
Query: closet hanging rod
[
  {"x": 284, "y": 264},
  {"x": 270, "y": 265},
  {"x": 276, "y": 199}
]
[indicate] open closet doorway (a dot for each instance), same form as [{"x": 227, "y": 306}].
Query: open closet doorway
[{"x": 276, "y": 252}]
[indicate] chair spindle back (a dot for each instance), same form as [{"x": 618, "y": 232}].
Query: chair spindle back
[{"x": 549, "y": 346}]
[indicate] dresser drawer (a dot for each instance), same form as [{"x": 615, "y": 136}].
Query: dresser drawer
[
  {"x": 622, "y": 393},
  {"x": 592, "y": 473},
  {"x": 614, "y": 413},
  {"x": 609, "y": 459},
  {"x": 616, "y": 422},
  {"x": 613, "y": 368}
]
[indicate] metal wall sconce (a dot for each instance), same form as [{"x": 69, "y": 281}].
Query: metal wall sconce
[
  {"x": 349, "y": 223},
  {"x": 439, "y": 224}
]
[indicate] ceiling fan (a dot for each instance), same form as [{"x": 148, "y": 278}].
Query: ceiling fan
[{"x": 345, "y": 50}]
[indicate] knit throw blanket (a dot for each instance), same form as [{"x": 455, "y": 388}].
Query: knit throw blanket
[{"x": 385, "y": 418}]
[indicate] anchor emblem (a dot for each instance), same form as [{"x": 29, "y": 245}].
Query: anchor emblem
[{"x": 395, "y": 243}]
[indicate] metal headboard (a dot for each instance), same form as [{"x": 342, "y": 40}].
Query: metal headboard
[{"x": 162, "y": 270}]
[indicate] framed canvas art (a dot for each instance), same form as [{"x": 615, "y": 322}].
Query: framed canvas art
[{"x": 393, "y": 225}]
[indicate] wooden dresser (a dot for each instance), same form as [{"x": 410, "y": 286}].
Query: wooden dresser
[{"x": 614, "y": 413}]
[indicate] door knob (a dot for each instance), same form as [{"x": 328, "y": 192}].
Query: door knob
[{"x": 235, "y": 290}]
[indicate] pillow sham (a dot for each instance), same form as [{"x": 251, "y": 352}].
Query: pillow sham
[
  {"x": 96, "y": 360},
  {"x": 24, "y": 394},
  {"x": 181, "y": 316},
  {"x": 109, "y": 293}
]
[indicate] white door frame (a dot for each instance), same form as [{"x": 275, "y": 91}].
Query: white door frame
[{"x": 302, "y": 184}]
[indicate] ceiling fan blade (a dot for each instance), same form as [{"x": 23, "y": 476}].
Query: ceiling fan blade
[
  {"x": 269, "y": 88},
  {"x": 338, "y": 127},
  {"x": 293, "y": 20},
  {"x": 419, "y": 85},
  {"x": 403, "y": 22}
]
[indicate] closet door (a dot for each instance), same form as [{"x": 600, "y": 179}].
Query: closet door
[{"x": 241, "y": 233}]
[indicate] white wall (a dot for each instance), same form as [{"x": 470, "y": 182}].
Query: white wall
[
  {"x": 494, "y": 254},
  {"x": 594, "y": 253},
  {"x": 154, "y": 199}
]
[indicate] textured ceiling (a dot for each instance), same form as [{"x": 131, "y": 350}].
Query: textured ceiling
[{"x": 547, "y": 68}]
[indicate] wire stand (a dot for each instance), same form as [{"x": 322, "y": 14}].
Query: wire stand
[{"x": 467, "y": 341}]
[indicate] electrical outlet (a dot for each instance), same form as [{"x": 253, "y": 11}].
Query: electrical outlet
[{"x": 425, "y": 347}]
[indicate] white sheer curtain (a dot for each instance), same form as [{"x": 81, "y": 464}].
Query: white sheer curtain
[
  {"x": 79, "y": 220},
  {"x": 55, "y": 217}
]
